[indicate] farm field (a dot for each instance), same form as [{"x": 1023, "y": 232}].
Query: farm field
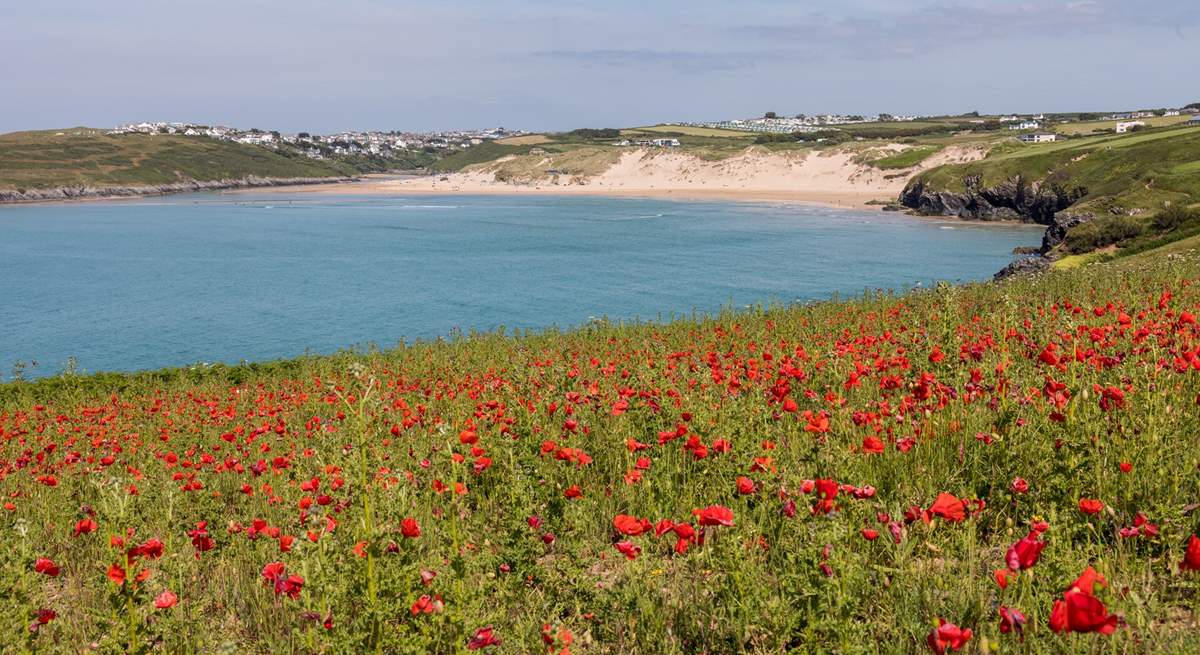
[
  {"x": 1088, "y": 127},
  {"x": 989, "y": 468}
]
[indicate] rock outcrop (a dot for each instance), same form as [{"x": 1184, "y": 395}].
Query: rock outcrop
[
  {"x": 1013, "y": 199},
  {"x": 81, "y": 192},
  {"x": 1024, "y": 266}
]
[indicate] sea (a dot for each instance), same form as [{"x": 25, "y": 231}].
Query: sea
[{"x": 206, "y": 278}]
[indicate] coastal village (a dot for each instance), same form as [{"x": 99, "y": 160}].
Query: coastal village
[
  {"x": 322, "y": 146},
  {"x": 1028, "y": 128}
]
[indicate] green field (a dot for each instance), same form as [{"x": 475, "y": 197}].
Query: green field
[
  {"x": 657, "y": 131},
  {"x": 1089, "y": 127},
  {"x": 1135, "y": 171},
  {"x": 81, "y": 156}
]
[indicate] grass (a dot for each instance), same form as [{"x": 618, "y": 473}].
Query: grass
[
  {"x": 906, "y": 158},
  {"x": 516, "y": 457},
  {"x": 1135, "y": 171},
  {"x": 82, "y": 156},
  {"x": 1089, "y": 127},
  {"x": 657, "y": 131}
]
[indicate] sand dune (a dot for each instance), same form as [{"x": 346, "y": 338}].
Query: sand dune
[{"x": 830, "y": 177}]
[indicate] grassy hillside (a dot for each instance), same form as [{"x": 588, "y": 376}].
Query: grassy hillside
[
  {"x": 1131, "y": 172},
  {"x": 81, "y": 156},
  {"x": 840, "y": 477}
]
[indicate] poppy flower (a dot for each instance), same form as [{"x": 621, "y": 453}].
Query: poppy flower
[
  {"x": 116, "y": 573},
  {"x": 484, "y": 638},
  {"x": 84, "y": 526},
  {"x": 1082, "y": 612},
  {"x": 628, "y": 549},
  {"x": 573, "y": 492},
  {"x": 1090, "y": 505},
  {"x": 745, "y": 486},
  {"x": 165, "y": 599},
  {"x": 409, "y": 528},
  {"x": 631, "y": 526},
  {"x": 869, "y": 534},
  {"x": 46, "y": 567},
  {"x": 948, "y": 507},
  {"x": 1025, "y": 553},
  {"x": 714, "y": 515},
  {"x": 1011, "y": 620},
  {"x": 1191, "y": 557},
  {"x": 947, "y": 636},
  {"x": 1018, "y": 486}
]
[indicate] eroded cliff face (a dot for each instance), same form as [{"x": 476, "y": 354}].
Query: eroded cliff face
[
  {"x": 1013, "y": 199},
  {"x": 81, "y": 192}
]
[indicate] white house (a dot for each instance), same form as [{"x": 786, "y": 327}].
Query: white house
[
  {"x": 1171, "y": 112},
  {"x": 1194, "y": 120},
  {"x": 1040, "y": 137},
  {"x": 1125, "y": 126},
  {"x": 1025, "y": 125}
]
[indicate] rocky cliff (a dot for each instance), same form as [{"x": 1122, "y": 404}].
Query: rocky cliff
[
  {"x": 81, "y": 192},
  {"x": 1014, "y": 199}
]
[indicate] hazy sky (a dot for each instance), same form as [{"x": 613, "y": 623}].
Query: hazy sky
[{"x": 324, "y": 65}]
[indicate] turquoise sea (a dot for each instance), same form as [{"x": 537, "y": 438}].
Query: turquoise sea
[{"x": 222, "y": 278}]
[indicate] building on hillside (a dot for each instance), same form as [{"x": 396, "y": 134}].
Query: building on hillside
[
  {"x": 1126, "y": 126},
  {"x": 1194, "y": 120},
  {"x": 1038, "y": 137},
  {"x": 1171, "y": 112},
  {"x": 1025, "y": 125},
  {"x": 667, "y": 143}
]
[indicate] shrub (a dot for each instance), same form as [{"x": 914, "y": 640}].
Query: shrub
[
  {"x": 1103, "y": 231},
  {"x": 1175, "y": 216}
]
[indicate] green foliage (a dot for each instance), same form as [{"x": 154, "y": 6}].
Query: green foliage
[
  {"x": 595, "y": 133},
  {"x": 79, "y": 156},
  {"x": 1103, "y": 231},
  {"x": 906, "y": 158},
  {"x": 1175, "y": 216}
]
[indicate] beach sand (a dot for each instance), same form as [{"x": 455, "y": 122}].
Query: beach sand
[{"x": 828, "y": 178}]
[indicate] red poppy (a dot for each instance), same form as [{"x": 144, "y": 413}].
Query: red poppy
[
  {"x": 1011, "y": 620},
  {"x": 1025, "y": 553},
  {"x": 409, "y": 528},
  {"x": 1191, "y": 557},
  {"x": 714, "y": 515},
  {"x": 573, "y": 492},
  {"x": 1090, "y": 505},
  {"x": 484, "y": 637},
  {"x": 948, "y": 507},
  {"x": 84, "y": 526},
  {"x": 631, "y": 526},
  {"x": 116, "y": 573},
  {"x": 947, "y": 636},
  {"x": 628, "y": 549},
  {"x": 1081, "y": 612},
  {"x": 165, "y": 599},
  {"x": 46, "y": 567},
  {"x": 745, "y": 485}
]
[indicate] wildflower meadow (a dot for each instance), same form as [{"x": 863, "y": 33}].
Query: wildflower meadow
[{"x": 1008, "y": 468}]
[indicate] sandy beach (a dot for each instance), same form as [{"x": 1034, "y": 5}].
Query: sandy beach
[{"x": 834, "y": 179}]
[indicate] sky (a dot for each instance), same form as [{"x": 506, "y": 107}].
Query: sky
[{"x": 329, "y": 65}]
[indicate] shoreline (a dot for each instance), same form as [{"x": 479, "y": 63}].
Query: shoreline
[
  {"x": 420, "y": 186},
  {"x": 81, "y": 193}
]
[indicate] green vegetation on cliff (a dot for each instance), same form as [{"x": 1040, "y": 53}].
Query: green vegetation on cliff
[{"x": 88, "y": 157}]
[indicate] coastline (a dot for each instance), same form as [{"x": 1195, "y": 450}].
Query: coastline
[
  {"x": 432, "y": 185},
  {"x": 83, "y": 193}
]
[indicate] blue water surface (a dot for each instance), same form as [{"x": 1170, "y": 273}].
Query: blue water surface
[{"x": 223, "y": 278}]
